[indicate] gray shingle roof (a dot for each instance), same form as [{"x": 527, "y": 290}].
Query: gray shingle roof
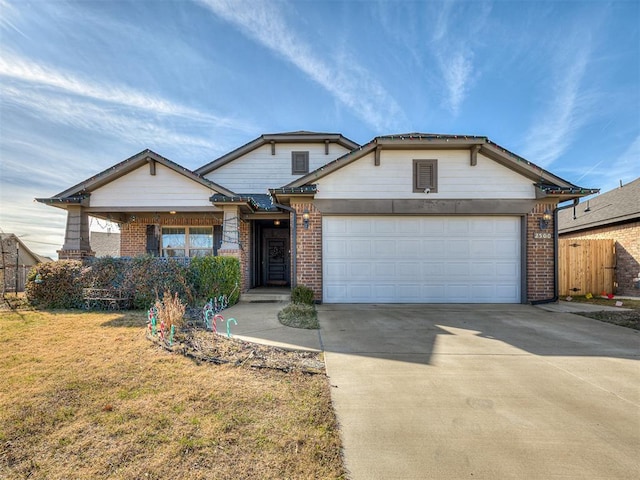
[{"x": 619, "y": 205}]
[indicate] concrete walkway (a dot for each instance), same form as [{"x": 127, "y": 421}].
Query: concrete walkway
[{"x": 258, "y": 322}]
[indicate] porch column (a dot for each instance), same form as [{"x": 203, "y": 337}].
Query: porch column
[
  {"x": 76, "y": 238},
  {"x": 235, "y": 242},
  {"x": 230, "y": 228}
]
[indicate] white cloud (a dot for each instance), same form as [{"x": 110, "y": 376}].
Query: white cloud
[
  {"x": 84, "y": 115},
  {"x": 566, "y": 109},
  {"x": 456, "y": 69},
  {"x": 351, "y": 84},
  {"x": 17, "y": 68},
  {"x": 452, "y": 46}
]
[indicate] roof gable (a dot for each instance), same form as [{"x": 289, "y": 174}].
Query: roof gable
[
  {"x": 77, "y": 193},
  {"x": 475, "y": 144},
  {"x": 621, "y": 204},
  {"x": 273, "y": 139}
]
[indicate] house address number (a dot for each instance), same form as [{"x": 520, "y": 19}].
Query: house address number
[{"x": 541, "y": 235}]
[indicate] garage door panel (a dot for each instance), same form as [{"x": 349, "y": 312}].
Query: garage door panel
[
  {"x": 421, "y": 259},
  {"x": 458, "y": 248},
  {"x": 335, "y": 270},
  {"x": 509, "y": 270},
  {"x": 435, "y": 227},
  {"x": 507, "y": 248},
  {"x": 482, "y": 269},
  {"x": 338, "y": 247},
  {"x": 411, "y": 226},
  {"x": 482, "y": 248},
  {"x": 360, "y": 248},
  {"x": 408, "y": 248}
]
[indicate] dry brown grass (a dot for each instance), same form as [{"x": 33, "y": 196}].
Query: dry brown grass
[{"x": 85, "y": 395}]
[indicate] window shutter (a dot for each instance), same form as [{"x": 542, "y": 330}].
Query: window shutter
[
  {"x": 217, "y": 238},
  {"x": 153, "y": 240}
]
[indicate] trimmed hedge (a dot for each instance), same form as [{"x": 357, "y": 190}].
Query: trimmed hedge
[
  {"x": 59, "y": 284},
  {"x": 215, "y": 276}
]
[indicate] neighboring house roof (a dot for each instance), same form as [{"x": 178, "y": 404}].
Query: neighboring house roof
[
  {"x": 105, "y": 244},
  {"x": 25, "y": 255},
  {"x": 615, "y": 206},
  {"x": 547, "y": 183},
  {"x": 289, "y": 137},
  {"x": 78, "y": 193}
]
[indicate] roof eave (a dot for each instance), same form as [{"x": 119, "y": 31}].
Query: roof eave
[{"x": 130, "y": 164}]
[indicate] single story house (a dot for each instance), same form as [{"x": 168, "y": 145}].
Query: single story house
[
  {"x": 15, "y": 263},
  {"x": 413, "y": 218},
  {"x": 611, "y": 215}
]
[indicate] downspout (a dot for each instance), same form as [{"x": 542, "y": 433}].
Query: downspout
[
  {"x": 555, "y": 297},
  {"x": 294, "y": 246}
]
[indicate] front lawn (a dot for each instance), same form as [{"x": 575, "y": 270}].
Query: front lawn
[{"x": 86, "y": 395}]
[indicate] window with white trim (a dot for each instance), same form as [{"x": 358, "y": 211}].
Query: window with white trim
[
  {"x": 188, "y": 241},
  {"x": 425, "y": 176}
]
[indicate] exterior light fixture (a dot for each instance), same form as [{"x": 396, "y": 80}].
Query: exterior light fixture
[
  {"x": 276, "y": 223},
  {"x": 305, "y": 218},
  {"x": 172, "y": 212},
  {"x": 544, "y": 221}
]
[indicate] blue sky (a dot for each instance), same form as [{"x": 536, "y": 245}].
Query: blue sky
[{"x": 86, "y": 84}]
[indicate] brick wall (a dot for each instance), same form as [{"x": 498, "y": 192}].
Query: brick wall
[
  {"x": 309, "y": 249},
  {"x": 133, "y": 235},
  {"x": 627, "y": 244},
  {"x": 540, "y": 256}
]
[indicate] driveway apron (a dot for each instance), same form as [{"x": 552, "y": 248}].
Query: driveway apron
[{"x": 482, "y": 391}]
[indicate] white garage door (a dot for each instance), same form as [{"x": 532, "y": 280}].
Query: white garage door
[{"x": 421, "y": 259}]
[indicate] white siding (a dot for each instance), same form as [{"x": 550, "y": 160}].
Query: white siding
[
  {"x": 258, "y": 170},
  {"x": 393, "y": 178},
  {"x": 167, "y": 188}
]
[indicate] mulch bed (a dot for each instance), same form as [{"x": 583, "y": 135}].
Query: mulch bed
[{"x": 206, "y": 346}]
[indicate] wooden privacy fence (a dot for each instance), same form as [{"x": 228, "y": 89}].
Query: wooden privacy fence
[{"x": 586, "y": 266}]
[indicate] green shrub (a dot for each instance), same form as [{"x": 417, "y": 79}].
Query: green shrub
[
  {"x": 302, "y": 294},
  {"x": 214, "y": 276},
  {"x": 299, "y": 315},
  {"x": 55, "y": 284}
]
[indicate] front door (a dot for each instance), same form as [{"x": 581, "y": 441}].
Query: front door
[{"x": 276, "y": 257}]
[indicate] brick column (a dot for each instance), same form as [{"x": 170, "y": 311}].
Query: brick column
[
  {"x": 540, "y": 255},
  {"x": 309, "y": 248}
]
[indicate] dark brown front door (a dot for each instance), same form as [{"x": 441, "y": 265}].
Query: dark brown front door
[{"x": 276, "y": 257}]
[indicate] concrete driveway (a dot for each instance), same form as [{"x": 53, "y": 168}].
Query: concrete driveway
[{"x": 483, "y": 392}]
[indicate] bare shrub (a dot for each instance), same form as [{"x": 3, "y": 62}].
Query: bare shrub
[{"x": 170, "y": 310}]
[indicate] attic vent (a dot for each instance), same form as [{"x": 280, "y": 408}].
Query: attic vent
[
  {"x": 425, "y": 176},
  {"x": 299, "y": 163},
  {"x": 152, "y": 166}
]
